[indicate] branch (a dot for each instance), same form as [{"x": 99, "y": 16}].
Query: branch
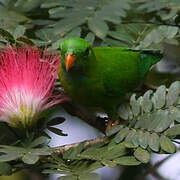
[
  {"x": 61, "y": 149},
  {"x": 152, "y": 87}
]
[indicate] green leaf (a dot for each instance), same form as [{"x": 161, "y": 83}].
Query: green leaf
[
  {"x": 174, "y": 113},
  {"x": 6, "y": 35},
  {"x": 74, "y": 33},
  {"x": 127, "y": 161},
  {"x": 167, "y": 145},
  {"x": 120, "y": 36},
  {"x": 125, "y": 112},
  {"x": 73, "y": 153},
  {"x": 157, "y": 121},
  {"x": 113, "y": 11},
  {"x": 9, "y": 19},
  {"x": 56, "y": 44},
  {"x": 159, "y": 98},
  {"x": 90, "y": 37},
  {"x": 19, "y": 31},
  {"x": 147, "y": 103},
  {"x": 154, "y": 142},
  {"x": 56, "y": 131},
  {"x": 12, "y": 149},
  {"x": 143, "y": 139},
  {"x": 136, "y": 137},
  {"x": 108, "y": 163},
  {"x": 52, "y": 171},
  {"x": 60, "y": 12},
  {"x": 134, "y": 105},
  {"x": 40, "y": 43},
  {"x": 47, "y": 35},
  {"x": 130, "y": 136},
  {"x": 40, "y": 140},
  {"x": 169, "y": 31},
  {"x": 153, "y": 5},
  {"x": 24, "y": 40},
  {"x": 160, "y": 121},
  {"x": 3, "y": 40},
  {"x": 70, "y": 3},
  {"x": 49, "y": 4},
  {"x": 113, "y": 130},
  {"x": 30, "y": 158},
  {"x": 143, "y": 121},
  {"x": 9, "y": 157},
  {"x": 41, "y": 151},
  {"x": 129, "y": 145},
  {"x": 27, "y": 6},
  {"x": 173, "y": 131},
  {"x": 121, "y": 135},
  {"x": 170, "y": 15},
  {"x": 158, "y": 35},
  {"x": 113, "y": 42},
  {"x": 66, "y": 25},
  {"x": 98, "y": 27},
  {"x": 142, "y": 155},
  {"x": 173, "y": 93},
  {"x": 84, "y": 166},
  {"x": 105, "y": 152}
]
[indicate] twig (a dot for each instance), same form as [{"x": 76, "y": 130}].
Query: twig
[
  {"x": 150, "y": 86},
  {"x": 144, "y": 22},
  {"x": 153, "y": 87},
  {"x": 61, "y": 149}
]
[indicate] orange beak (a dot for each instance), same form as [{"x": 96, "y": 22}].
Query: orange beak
[{"x": 70, "y": 61}]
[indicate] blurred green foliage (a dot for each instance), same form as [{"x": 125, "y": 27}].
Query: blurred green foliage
[{"x": 131, "y": 23}]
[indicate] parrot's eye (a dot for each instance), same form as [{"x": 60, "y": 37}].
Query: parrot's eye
[{"x": 86, "y": 52}]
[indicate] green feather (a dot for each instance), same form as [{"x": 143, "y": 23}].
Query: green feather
[{"x": 149, "y": 58}]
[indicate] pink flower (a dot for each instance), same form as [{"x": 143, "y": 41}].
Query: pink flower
[{"x": 27, "y": 79}]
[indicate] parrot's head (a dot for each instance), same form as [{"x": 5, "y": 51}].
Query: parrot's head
[{"x": 75, "y": 54}]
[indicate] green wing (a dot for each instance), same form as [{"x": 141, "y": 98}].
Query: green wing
[
  {"x": 120, "y": 69},
  {"x": 123, "y": 69}
]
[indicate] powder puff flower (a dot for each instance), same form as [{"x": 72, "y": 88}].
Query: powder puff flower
[{"x": 27, "y": 77}]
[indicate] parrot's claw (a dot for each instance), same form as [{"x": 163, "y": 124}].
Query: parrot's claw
[{"x": 111, "y": 124}]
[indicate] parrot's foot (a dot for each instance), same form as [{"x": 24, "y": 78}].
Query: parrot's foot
[{"x": 111, "y": 124}]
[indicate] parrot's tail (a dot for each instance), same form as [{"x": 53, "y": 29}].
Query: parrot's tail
[{"x": 148, "y": 59}]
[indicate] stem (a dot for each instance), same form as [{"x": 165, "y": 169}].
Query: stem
[{"x": 61, "y": 149}]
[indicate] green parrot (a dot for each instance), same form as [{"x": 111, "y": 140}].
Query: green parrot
[{"x": 101, "y": 76}]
